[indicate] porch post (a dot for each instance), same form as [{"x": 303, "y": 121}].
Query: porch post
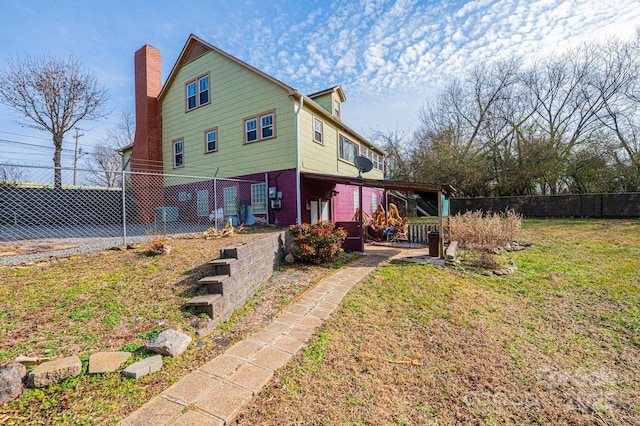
[
  {"x": 360, "y": 217},
  {"x": 440, "y": 228}
]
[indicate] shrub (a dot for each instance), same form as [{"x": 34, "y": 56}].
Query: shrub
[
  {"x": 475, "y": 230},
  {"x": 317, "y": 243}
]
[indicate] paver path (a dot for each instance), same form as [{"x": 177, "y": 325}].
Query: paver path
[{"x": 218, "y": 391}]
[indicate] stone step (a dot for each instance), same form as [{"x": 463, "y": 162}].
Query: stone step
[
  {"x": 214, "y": 284},
  {"x": 204, "y": 303},
  {"x": 226, "y": 266}
]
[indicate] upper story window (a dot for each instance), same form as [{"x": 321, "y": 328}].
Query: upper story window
[
  {"x": 211, "y": 140},
  {"x": 348, "y": 150},
  {"x": 377, "y": 160},
  {"x": 318, "y": 130},
  {"x": 260, "y": 127},
  {"x": 337, "y": 108},
  {"x": 178, "y": 153},
  {"x": 197, "y": 92}
]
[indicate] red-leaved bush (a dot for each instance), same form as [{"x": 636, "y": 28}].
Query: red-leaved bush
[{"x": 317, "y": 243}]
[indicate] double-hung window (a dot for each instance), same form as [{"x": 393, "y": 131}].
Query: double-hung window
[
  {"x": 258, "y": 198},
  {"x": 211, "y": 140},
  {"x": 337, "y": 108},
  {"x": 318, "y": 130},
  {"x": 178, "y": 153},
  {"x": 348, "y": 149},
  {"x": 260, "y": 127},
  {"x": 376, "y": 159},
  {"x": 198, "y": 92}
]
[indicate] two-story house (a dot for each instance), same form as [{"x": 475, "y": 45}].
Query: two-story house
[{"x": 218, "y": 116}]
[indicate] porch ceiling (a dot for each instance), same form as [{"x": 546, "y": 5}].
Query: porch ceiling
[{"x": 381, "y": 183}]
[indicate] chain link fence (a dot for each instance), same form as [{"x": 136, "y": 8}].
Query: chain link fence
[{"x": 131, "y": 208}]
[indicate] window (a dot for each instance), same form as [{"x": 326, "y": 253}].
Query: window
[
  {"x": 377, "y": 160},
  {"x": 230, "y": 197},
  {"x": 318, "y": 130},
  {"x": 336, "y": 108},
  {"x": 251, "y": 129},
  {"x": 356, "y": 200},
  {"x": 198, "y": 92},
  {"x": 211, "y": 140},
  {"x": 348, "y": 149},
  {"x": 267, "y": 126},
  {"x": 374, "y": 202},
  {"x": 267, "y": 129},
  {"x": 258, "y": 198},
  {"x": 178, "y": 154}
]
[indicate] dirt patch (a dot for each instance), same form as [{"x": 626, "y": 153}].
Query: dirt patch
[{"x": 15, "y": 249}]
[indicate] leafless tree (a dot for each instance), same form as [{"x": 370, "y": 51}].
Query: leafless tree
[
  {"x": 10, "y": 175},
  {"x": 53, "y": 95},
  {"x": 104, "y": 162}
]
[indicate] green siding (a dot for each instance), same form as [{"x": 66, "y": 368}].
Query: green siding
[
  {"x": 235, "y": 93},
  {"x": 325, "y": 101},
  {"x": 316, "y": 158}
]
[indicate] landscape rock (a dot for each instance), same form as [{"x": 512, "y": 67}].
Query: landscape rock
[
  {"x": 169, "y": 342},
  {"x": 144, "y": 367},
  {"x": 105, "y": 362},
  {"x": 53, "y": 372},
  {"x": 504, "y": 271},
  {"x": 12, "y": 375},
  {"x": 289, "y": 258}
]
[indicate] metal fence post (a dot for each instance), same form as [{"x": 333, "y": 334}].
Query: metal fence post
[
  {"x": 124, "y": 211},
  {"x": 215, "y": 203}
]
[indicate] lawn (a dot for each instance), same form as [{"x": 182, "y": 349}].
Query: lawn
[
  {"x": 557, "y": 342},
  {"x": 115, "y": 300}
]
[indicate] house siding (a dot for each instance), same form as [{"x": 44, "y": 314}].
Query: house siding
[{"x": 235, "y": 92}]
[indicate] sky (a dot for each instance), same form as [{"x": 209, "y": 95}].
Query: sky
[{"x": 388, "y": 56}]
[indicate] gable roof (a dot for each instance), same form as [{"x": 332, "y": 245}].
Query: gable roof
[
  {"x": 337, "y": 89},
  {"x": 195, "y": 47}
]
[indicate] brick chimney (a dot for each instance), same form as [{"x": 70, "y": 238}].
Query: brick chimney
[
  {"x": 147, "y": 145},
  {"x": 146, "y": 155}
]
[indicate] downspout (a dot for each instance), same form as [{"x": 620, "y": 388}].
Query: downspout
[{"x": 298, "y": 192}]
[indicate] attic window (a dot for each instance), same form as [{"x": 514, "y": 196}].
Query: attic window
[
  {"x": 197, "y": 92},
  {"x": 337, "y": 108}
]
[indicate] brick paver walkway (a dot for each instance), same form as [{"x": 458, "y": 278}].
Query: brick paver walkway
[{"x": 218, "y": 391}]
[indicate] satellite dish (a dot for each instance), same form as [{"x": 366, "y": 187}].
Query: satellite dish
[{"x": 363, "y": 164}]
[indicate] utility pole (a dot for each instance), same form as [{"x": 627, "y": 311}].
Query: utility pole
[{"x": 75, "y": 157}]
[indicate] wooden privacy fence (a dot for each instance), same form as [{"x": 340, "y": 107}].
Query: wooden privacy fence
[{"x": 618, "y": 205}]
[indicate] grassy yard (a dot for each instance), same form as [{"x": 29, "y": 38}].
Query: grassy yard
[
  {"x": 558, "y": 342},
  {"x": 116, "y": 300}
]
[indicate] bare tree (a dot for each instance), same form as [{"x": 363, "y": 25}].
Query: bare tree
[
  {"x": 10, "y": 175},
  {"x": 104, "y": 161},
  {"x": 53, "y": 95}
]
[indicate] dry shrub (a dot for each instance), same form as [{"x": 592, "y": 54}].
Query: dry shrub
[
  {"x": 157, "y": 244},
  {"x": 478, "y": 231},
  {"x": 486, "y": 261}
]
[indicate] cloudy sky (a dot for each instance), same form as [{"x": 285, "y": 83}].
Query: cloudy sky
[{"x": 389, "y": 56}]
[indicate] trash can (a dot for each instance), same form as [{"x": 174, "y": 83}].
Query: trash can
[{"x": 434, "y": 243}]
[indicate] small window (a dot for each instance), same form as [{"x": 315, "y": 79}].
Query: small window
[
  {"x": 251, "y": 127},
  {"x": 260, "y": 127},
  {"x": 336, "y": 108},
  {"x": 374, "y": 202},
  {"x": 356, "y": 200},
  {"x": 178, "y": 160},
  {"x": 267, "y": 126},
  {"x": 318, "y": 130},
  {"x": 211, "y": 140},
  {"x": 376, "y": 159},
  {"x": 191, "y": 95},
  {"x": 258, "y": 198},
  {"x": 198, "y": 92},
  {"x": 348, "y": 150}
]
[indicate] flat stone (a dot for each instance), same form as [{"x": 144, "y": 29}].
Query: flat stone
[
  {"x": 191, "y": 387},
  {"x": 144, "y": 367},
  {"x": 251, "y": 377},
  {"x": 106, "y": 362},
  {"x": 271, "y": 358},
  {"x": 222, "y": 365},
  {"x": 225, "y": 401},
  {"x": 53, "y": 372},
  {"x": 158, "y": 411},
  {"x": 194, "y": 417},
  {"x": 169, "y": 342},
  {"x": 11, "y": 377}
]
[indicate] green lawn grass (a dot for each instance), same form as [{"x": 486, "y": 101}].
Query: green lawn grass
[{"x": 558, "y": 342}]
